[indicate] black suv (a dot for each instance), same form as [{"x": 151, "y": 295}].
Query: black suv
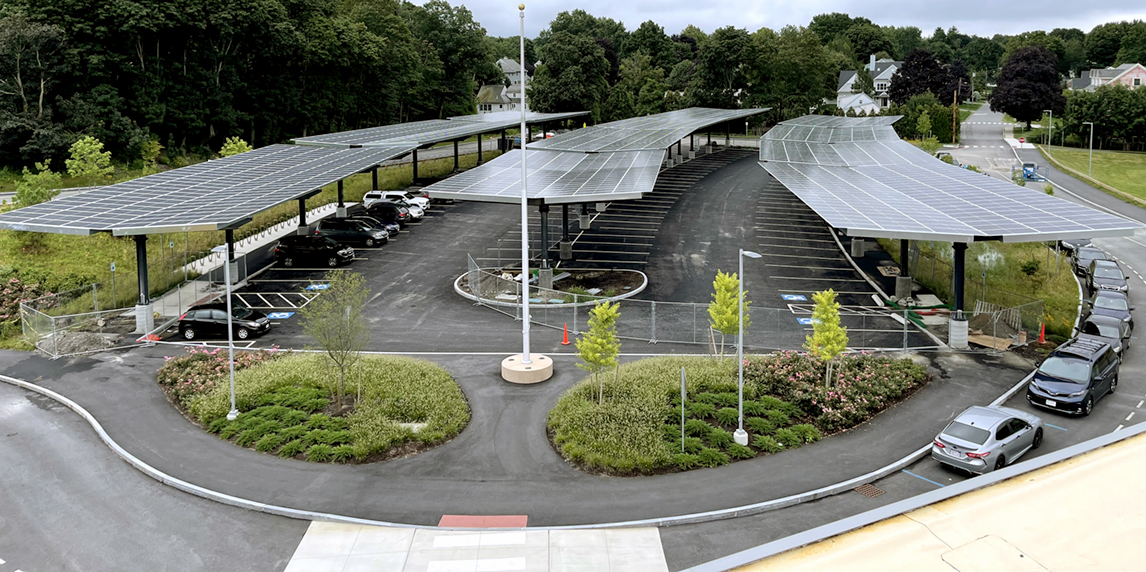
[
  {"x": 1106, "y": 275},
  {"x": 211, "y": 319},
  {"x": 1110, "y": 303},
  {"x": 295, "y": 249},
  {"x": 1082, "y": 257},
  {"x": 348, "y": 231},
  {"x": 389, "y": 212},
  {"x": 1074, "y": 376},
  {"x": 1106, "y": 329}
]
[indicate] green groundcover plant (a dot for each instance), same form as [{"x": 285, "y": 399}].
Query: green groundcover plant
[
  {"x": 285, "y": 404},
  {"x": 636, "y": 429}
]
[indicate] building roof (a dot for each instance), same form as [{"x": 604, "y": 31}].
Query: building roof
[
  {"x": 494, "y": 94},
  {"x": 845, "y": 77},
  {"x": 509, "y": 66}
]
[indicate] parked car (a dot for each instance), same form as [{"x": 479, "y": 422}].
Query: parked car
[
  {"x": 211, "y": 319},
  {"x": 391, "y": 228},
  {"x": 984, "y": 439},
  {"x": 1072, "y": 244},
  {"x": 295, "y": 249},
  {"x": 386, "y": 211},
  {"x": 1074, "y": 376},
  {"x": 1083, "y": 256},
  {"x": 347, "y": 231},
  {"x": 1106, "y": 329},
  {"x": 422, "y": 202},
  {"x": 415, "y": 211},
  {"x": 1110, "y": 303},
  {"x": 1106, "y": 275}
]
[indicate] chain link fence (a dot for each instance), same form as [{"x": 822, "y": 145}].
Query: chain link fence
[{"x": 72, "y": 322}]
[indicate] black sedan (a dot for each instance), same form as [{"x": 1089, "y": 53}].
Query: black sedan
[
  {"x": 1083, "y": 256},
  {"x": 1106, "y": 329},
  {"x": 210, "y": 320},
  {"x": 1110, "y": 303},
  {"x": 1106, "y": 275},
  {"x": 348, "y": 231}
]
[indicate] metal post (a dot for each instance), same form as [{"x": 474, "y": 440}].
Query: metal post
[
  {"x": 374, "y": 179},
  {"x": 905, "y": 329},
  {"x": 1090, "y": 161},
  {"x": 456, "y": 153},
  {"x": 682, "y": 396},
  {"x": 95, "y": 297},
  {"x": 113, "y": 301},
  {"x": 230, "y": 234},
  {"x": 141, "y": 269},
  {"x": 653, "y": 333},
  {"x": 904, "y": 257},
  {"x": 524, "y": 209},
  {"x": 481, "y": 143},
  {"x": 302, "y": 213},
  {"x": 543, "y": 211},
  {"x": 341, "y": 204},
  {"x": 414, "y": 162},
  {"x": 960, "y": 260},
  {"x": 231, "y": 415},
  {"x": 740, "y": 435},
  {"x": 575, "y": 314},
  {"x": 565, "y": 222}
]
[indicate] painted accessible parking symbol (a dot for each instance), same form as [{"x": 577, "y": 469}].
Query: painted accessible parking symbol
[
  {"x": 794, "y": 297},
  {"x": 805, "y": 321},
  {"x": 280, "y": 315},
  {"x": 318, "y": 287}
]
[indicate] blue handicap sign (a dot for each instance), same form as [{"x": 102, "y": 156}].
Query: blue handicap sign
[
  {"x": 805, "y": 321},
  {"x": 280, "y": 315},
  {"x": 794, "y": 297},
  {"x": 318, "y": 287}
]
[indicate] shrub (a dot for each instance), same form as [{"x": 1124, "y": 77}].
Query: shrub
[
  {"x": 200, "y": 371},
  {"x": 324, "y": 421},
  {"x": 728, "y": 415},
  {"x": 319, "y": 453},
  {"x": 754, "y": 408},
  {"x": 269, "y": 442},
  {"x": 343, "y": 454},
  {"x": 292, "y": 449},
  {"x": 326, "y": 437},
  {"x": 727, "y": 399},
  {"x": 759, "y": 425},
  {"x": 788, "y": 438},
  {"x": 738, "y": 451},
  {"x": 701, "y": 410},
  {"x": 778, "y": 418},
  {"x": 252, "y": 384},
  {"x": 217, "y": 425},
  {"x": 712, "y": 458},
  {"x": 685, "y": 461},
  {"x": 780, "y": 374},
  {"x": 767, "y": 444},
  {"x": 709, "y": 398},
  {"x": 719, "y": 438},
  {"x": 294, "y": 417},
  {"x": 806, "y": 432},
  {"x": 770, "y": 402},
  {"x": 697, "y": 428},
  {"x": 293, "y": 432}
]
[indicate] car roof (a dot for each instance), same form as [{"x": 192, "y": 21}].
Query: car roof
[
  {"x": 214, "y": 306},
  {"x": 1110, "y": 294},
  {"x": 1103, "y": 319},
  {"x": 1104, "y": 262},
  {"x": 1091, "y": 249},
  {"x": 982, "y": 417},
  {"x": 1084, "y": 348}
]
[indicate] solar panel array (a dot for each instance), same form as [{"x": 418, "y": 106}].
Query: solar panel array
[
  {"x": 643, "y": 133},
  {"x": 206, "y": 196},
  {"x": 887, "y": 188},
  {"x": 557, "y": 177},
  {"x": 610, "y": 162},
  {"x": 419, "y": 133}
]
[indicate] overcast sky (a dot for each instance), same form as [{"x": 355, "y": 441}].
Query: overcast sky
[{"x": 500, "y": 17}]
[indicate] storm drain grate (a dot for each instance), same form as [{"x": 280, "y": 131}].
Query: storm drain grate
[{"x": 869, "y": 491}]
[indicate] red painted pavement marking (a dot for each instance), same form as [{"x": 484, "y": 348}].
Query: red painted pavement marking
[{"x": 478, "y": 521}]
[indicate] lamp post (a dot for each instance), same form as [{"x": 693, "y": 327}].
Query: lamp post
[
  {"x": 1090, "y": 160},
  {"x": 1050, "y": 135},
  {"x": 741, "y": 436},
  {"x": 524, "y": 211},
  {"x": 222, "y": 249}
]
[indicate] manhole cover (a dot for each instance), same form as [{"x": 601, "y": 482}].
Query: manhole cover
[{"x": 869, "y": 491}]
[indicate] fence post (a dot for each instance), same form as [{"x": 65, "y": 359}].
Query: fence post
[
  {"x": 575, "y": 314},
  {"x": 653, "y": 334},
  {"x": 694, "y": 323},
  {"x": 55, "y": 338},
  {"x": 905, "y": 329},
  {"x": 95, "y": 297}
]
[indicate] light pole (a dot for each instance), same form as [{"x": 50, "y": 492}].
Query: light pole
[
  {"x": 741, "y": 436},
  {"x": 524, "y": 210},
  {"x": 1050, "y": 134},
  {"x": 1090, "y": 160},
  {"x": 222, "y": 249}
]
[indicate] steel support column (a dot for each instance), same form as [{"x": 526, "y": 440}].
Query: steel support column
[
  {"x": 481, "y": 142},
  {"x": 374, "y": 179},
  {"x": 543, "y": 209},
  {"x": 301, "y": 214},
  {"x": 565, "y": 222},
  {"x": 456, "y": 154},
  {"x": 230, "y": 236},
  {"x": 414, "y": 162},
  {"x": 904, "y": 257},
  {"x": 959, "y": 271},
  {"x": 341, "y": 204},
  {"x": 141, "y": 268}
]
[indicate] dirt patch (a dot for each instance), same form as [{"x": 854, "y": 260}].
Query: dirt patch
[
  {"x": 67, "y": 343},
  {"x": 609, "y": 282}
]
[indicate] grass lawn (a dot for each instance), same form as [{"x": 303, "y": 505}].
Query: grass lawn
[
  {"x": 288, "y": 404},
  {"x": 636, "y": 427},
  {"x": 1122, "y": 170}
]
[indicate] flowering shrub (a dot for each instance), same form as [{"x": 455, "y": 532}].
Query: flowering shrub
[
  {"x": 201, "y": 370},
  {"x": 13, "y": 290}
]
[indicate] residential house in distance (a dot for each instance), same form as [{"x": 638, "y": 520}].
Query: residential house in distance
[
  {"x": 497, "y": 97},
  {"x": 849, "y": 97},
  {"x": 1130, "y": 75}
]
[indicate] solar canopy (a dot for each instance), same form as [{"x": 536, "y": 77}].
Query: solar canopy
[
  {"x": 214, "y": 195},
  {"x": 609, "y": 162},
  {"x": 860, "y": 177},
  {"x": 431, "y": 131}
]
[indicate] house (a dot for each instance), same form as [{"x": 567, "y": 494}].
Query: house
[
  {"x": 1130, "y": 75},
  {"x": 497, "y": 97},
  {"x": 881, "y": 72}
]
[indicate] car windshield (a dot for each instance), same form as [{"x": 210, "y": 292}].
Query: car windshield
[
  {"x": 1066, "y": 368},
  {"x": 1110, "y": 303},
  {"x": 1091, "y": 254},
  {"x": 1104, "y": 330},
  {"x": 1104, "y": 272},
  {"x": 966, "y": 432},
  {"x": 331, "y": 242},
  {"x": 239, "y": 312}
]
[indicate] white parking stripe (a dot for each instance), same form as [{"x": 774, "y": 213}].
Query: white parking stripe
[
  {"x": 1140, "y": 403},
  {"x": 1128, "y": 417}
]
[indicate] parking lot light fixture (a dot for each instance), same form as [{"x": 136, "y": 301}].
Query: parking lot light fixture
[
  {"x": 741, "y": 436},
  {"x": 222, "y": 249},
  {"x": 1090, "y": 161},
  {"x": 525, "y": 358},
  {"x": 1050, "y": 135}
]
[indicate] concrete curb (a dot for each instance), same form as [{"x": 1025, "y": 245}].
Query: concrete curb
[
  {"x": 709, "y": 516},
  {"x": 492, "y": 302}
]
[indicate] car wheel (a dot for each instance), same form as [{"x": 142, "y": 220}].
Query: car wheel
[
  {"x": 1087, "y": 406},
  {"x": 370, "y": 243},
  {"x": 288, "y": 262},
  {"x": 242, "y": 333},
  {"x": 1114, "y": 383},
  {"x": 1038, "y": 438},
  {"x": 332, "y": 261},
  {"x": 1000, "y": 463},
  {"x": 189, "y": 333}
]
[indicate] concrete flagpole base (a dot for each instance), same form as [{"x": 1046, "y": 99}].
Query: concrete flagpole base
[{"x": 513, "y": 371}]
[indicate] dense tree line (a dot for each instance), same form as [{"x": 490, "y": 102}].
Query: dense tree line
[
  {"x": 192, "y": 73},
  {"x": 1117, "y": 112}
]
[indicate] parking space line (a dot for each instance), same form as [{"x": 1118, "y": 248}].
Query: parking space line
[
  {"x": 924, "y": 478},
  {"x": 838, "y": 292},
  {"x": 1128, "y": 417},
  {"x": 1055, "y": 426},
  {"x": 1119, "y": 428},
  {"x": 800, "y": 256},
  {"x": 791, "y": 238},
  {"x": 270, "y": 280},
  {"x": 786, "y": 247},
  {"x": 848, "y": 268},
  {"x": 1140, "y": 404},
  {"x": 816, "y": 279},
  {"x": 264, "y": 300}
]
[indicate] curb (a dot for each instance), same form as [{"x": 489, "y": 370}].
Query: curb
[{"x": 492, "y": 302}]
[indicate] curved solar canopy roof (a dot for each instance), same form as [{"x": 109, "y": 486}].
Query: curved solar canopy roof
[
  {"x": 431, "y": 131},
  {"x": 609, "y": 162},
  {"x": 858, "y": 176},
  {"x": 213, "y": 195}
]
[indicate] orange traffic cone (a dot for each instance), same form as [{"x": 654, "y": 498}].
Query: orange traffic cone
[
  {"x": 565, "y": 339},
  {"x": 1042, "y": 333}
]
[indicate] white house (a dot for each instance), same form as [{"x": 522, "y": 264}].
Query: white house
[
  {"x": 1130, "y": 75},
  {"x": 497, "y": 97},
  {"x": 881, "y": 72}
]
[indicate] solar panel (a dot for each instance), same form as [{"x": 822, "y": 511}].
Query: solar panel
[
  {"x": 419, "y": 133},
  {"x": 643, "y": 133},
  {"x": 871, "y": 185},
  {"x": 206, "y": 196}
]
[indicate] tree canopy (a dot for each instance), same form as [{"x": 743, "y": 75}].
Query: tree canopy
[{"x": 1028, "y": 84}]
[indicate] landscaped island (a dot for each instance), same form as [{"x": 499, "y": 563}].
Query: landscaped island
[
  {"x": 635, "y": 428},
  {"x": 393, "y": 406}
]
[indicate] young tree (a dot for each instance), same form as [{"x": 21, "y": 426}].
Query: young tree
[
  {"x": 1028, "y": 84},
  {"x": 723, "y": 312},
  {"x": 149, "y": 153},
  {"x": 829, "y": 339},
  {"x": 233, "y": 146},
  {"x": 89, "y": 161},
  {"x": 923, "y": 126},
  {"x": 336, "y": 323},
  {"x": 38, "y": 187},
  {"x": 599, "y": 347}
]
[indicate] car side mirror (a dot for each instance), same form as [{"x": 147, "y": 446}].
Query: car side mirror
[{"x": 1132, "y": 307}]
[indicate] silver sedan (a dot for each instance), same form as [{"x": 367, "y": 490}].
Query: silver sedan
[{"x": 984, "y": 439}]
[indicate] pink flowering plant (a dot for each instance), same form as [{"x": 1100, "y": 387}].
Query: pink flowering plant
[{"x": 200, "y": 370}]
